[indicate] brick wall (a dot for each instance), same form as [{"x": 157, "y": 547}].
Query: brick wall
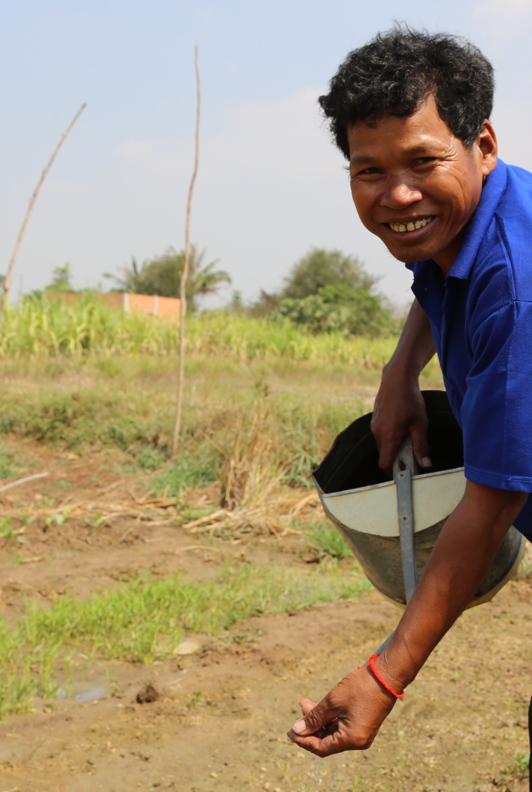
[{"x": 147, "y": 304}]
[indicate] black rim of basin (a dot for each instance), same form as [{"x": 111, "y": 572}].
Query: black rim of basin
[{"x": 352, "y": 461}]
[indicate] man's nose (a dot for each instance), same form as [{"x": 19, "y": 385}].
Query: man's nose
[{"x": 400, "y": 192}]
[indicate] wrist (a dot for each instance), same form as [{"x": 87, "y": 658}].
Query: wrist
[
  {"x": 381, "y": 679},
  {"x": 397, "y": 671},
  {"x": 403, "y": 372}
]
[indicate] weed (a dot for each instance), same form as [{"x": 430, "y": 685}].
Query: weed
[
  {"x": 149, "y": 459},
  {"x": 94, "y": 522},
  {"x": 8, "y": 468},
  {"x": 192, "y": 467},
  {"x": 520, "y": 765},
  {"x": 110, "y": 367},
  {"x": 55, "y": 519},
  {"x": 196, "y": 700},
  {"x": 8, "y": 532},
  {"x": 251, "y": 466},
  {"x": 242, "y": 637}
]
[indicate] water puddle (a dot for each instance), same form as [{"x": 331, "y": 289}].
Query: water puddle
[{"x": 86, "y": 696}]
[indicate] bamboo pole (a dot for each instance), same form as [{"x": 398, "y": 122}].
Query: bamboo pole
[
  {"x": 186, "y": 267},
  {"x": 9, "y": 274}
]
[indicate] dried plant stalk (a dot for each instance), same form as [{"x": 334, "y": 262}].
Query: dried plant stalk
[
  {"x": 250, "y": 471},
  {"x": 9, "y": 274},
  {"x": 186, "y": 267}
]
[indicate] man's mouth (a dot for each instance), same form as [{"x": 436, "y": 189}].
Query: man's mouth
[{"x": 412, "y": 225}]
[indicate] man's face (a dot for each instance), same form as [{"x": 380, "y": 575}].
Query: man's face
[{"x": 415, "y": 185}]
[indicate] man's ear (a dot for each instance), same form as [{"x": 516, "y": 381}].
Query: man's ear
[{"x": 487, "y": 148}]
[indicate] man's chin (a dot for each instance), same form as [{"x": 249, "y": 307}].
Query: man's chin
[{"x": 405, "y": 257}]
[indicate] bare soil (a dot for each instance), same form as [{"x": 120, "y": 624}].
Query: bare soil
[{"x": 215, "y": 720}]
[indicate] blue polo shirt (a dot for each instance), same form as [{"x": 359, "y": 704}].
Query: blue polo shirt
[{"x": 481, "y": 318}]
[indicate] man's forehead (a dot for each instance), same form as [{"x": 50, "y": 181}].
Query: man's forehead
[
  {"x": 424, "y": 132},
  {"x": 363, "y": 157}
]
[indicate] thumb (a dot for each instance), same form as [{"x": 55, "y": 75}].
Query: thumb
[
  {"x": 300, "y": 726},
  {"x": 315, "y": 717}
]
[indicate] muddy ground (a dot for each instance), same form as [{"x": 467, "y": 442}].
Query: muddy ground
[{"x": 215, "y": 720}]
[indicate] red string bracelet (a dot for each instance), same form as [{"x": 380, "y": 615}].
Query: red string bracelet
[{"x": 371, "y": 663}]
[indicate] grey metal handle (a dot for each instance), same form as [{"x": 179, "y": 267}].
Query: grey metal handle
[{"x": 404, "y": 469}]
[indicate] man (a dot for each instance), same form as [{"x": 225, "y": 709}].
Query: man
[{"x": 410, "y": 112}]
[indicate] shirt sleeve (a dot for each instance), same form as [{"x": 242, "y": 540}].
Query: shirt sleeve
[{"x": 496, "y": 413}]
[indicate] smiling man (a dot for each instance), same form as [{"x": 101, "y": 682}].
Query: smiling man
[{"x": 410, "y": 112}]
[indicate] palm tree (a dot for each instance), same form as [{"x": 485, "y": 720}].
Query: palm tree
[{"x": 161, "y": 275}]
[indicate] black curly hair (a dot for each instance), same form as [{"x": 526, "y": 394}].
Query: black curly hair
[{"x": 398, "y": 70}]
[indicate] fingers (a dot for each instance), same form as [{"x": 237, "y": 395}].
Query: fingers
[
  {"x": 332, "y": 738},
  {"x": 325, "y": 745},
  {"x": 315, "y": 718},
  {"x": 418, "y": 433},
  {"x": 388, "y": 448},
  {"x": 394, "y": 419}
]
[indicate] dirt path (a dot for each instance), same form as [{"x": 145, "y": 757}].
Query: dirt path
[{"x": 216, "y": 719}]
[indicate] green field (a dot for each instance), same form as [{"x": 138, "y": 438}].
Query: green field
[{"x": 263, "y": 403}]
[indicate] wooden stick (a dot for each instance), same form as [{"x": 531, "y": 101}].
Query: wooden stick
[
  {"x": 207, "y": 518},
  {"x": 9, "y": 274},
  {"x": 186, "y": 267},
  {"x": 23, "y": 481}
]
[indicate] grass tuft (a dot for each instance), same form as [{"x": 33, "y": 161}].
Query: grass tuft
[{"x": 145, "y": 619}]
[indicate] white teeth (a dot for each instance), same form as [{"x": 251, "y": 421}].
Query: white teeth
[{"x": 401, "y": 227}]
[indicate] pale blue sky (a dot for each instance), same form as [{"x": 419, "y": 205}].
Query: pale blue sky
[{"x": 270, "y": 184}]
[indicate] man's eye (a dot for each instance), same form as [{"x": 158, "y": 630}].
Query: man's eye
[
  {"x": 365, "y": 173},
  {"x": 425, "y": 161}
]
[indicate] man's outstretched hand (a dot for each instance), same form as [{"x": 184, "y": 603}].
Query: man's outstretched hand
[{"x": 347, "y": 719}]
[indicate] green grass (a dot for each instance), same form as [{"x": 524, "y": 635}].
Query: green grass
[
  {"x": 194, "y": 466},
  {"x": 8, "y": 465},
  {"x": 520, "y": 766},
  {"x": 135, "y": 414},
  {"x": 144, "y": 620},
  {"x": 327, "y": 541},
  {"x": 127, "y": 402}
]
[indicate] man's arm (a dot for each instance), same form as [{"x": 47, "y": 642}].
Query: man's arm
[
  {"x": 349, "y": 717},
  {"x": 399, "y": 407}
]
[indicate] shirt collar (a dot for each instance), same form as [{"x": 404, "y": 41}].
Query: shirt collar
[{"x": 479, "y": 223}]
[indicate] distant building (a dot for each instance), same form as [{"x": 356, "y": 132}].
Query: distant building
[{"x": 147, "y": 304}]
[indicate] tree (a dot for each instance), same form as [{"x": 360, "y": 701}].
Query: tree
[
  {"x": 321, "y": 268},
  {"x": 162, "y": 274},
  {"x": 236, "y": 304},
  {"x": 61, "y": 280},
  {"x": 266, "y": 303},
  {"x": 318, "y": 269},
  {"x": 342, "y": 309}
]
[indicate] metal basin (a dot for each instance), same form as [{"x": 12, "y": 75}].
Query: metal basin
[{"x": 362, "y": 503}]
